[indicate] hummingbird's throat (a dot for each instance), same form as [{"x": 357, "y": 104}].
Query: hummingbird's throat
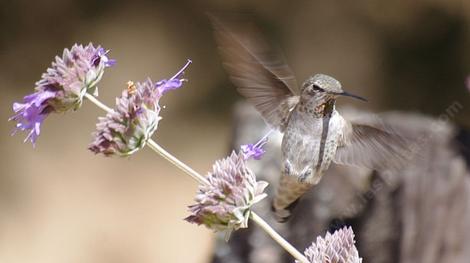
[
  {"x": 317, "y": 109},
  {"x": 320, "y": 108},
  {"x": 324, "y": 108}
]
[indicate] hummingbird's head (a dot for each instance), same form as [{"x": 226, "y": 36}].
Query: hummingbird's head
[{"x": 324, "y": 87}]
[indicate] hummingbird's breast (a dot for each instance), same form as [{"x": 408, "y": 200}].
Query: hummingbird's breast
[{"x": 309, "y": 144}]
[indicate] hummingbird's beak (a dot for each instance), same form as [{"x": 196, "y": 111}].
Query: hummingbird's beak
[{"x": 344, "y": 93}]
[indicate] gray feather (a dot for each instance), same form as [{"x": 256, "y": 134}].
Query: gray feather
[
  {"x": 259, "y": 72},
  {"x": 371, "y": 147}
]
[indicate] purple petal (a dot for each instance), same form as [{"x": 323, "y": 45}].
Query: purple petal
[
  {"x": 101, "y": 55},
  {"x": 109, "y": 62},
  {"x": 252, "y": 151},
  {"x": 31, "y": 113},
  {"x": 174, "y": 82},
  {"x": 165, "y": 85}
]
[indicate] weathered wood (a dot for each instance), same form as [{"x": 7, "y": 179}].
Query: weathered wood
[{"x": 419, "y": 214}]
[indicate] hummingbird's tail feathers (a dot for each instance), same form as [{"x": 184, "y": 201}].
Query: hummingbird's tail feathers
[
  {"x": 288, "y": 193},
  {"x": 283, "y": 215}
]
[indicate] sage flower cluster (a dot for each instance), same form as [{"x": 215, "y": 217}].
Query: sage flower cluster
[
  {"x": 334, "y": 248},
  {"x": 224, "y": 204},
  {"x": 62, "y": 87},
  {"x": 130, "y": 125}
]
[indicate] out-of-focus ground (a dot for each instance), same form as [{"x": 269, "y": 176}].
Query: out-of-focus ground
[{"x": 61, "y": 203}]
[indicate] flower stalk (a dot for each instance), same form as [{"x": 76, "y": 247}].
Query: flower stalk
[
  {"x": 201, "y": 179},
  {"x": 278, "y": 238}
]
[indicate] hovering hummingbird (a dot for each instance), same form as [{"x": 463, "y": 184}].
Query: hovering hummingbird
[{"x": 315, "y": 133}]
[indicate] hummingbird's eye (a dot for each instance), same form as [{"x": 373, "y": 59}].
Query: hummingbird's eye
[{"x": 317, "y": 88}]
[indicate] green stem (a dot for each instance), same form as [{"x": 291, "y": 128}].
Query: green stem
[{"x": 201, "y": 179}]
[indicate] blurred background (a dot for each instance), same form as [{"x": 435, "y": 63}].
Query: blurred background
[{"x": 61, "y": 203}]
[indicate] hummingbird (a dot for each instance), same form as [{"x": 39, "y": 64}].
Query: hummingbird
[{"x": 314, "y": 132}]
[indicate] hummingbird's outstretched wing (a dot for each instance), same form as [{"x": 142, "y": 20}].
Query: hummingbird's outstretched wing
[
  {"x": 372, "y": 147},
  {"x": 259, "y": 73}
]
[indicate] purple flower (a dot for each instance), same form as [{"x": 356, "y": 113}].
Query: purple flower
[
  {"x": 165, "y": 85},
  {"x": 334, "y": 248},
  {"x": 135, "y": 118},
  {"x": 225, "y": 203},
  {"x": 252, "y": 150},
  {"x": 174, "y": 82},
  {"x": 256, "y": 150},
  {"x": 126, "y": 129},
  {"x": 61, "y": 87},
  {"x": 100, "y": 56},
  {"x": 32, "y": 113}
]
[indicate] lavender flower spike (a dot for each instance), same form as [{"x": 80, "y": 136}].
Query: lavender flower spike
[
  {"x": 334, "y": 248},
  {"x": 135, "y": 118},
  {"x": 225, "y": 203},
  {"x": 61, "y": 87}
]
